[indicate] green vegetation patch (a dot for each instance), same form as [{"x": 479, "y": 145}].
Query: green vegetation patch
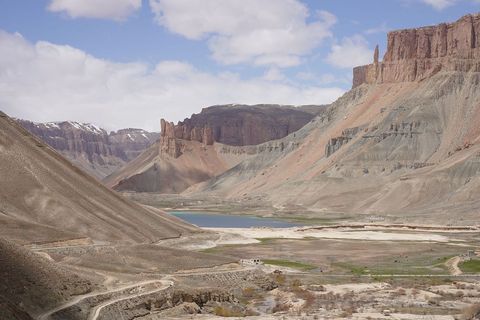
[
  {"x": 290, "y": 264},
  {"x": 314, "y": 220},
  {"x": 472, "y": 266},
  {"x": 266, "y": 240},
  {"x": 393, "y": 269},
  {"x": 355, "y": 270}
]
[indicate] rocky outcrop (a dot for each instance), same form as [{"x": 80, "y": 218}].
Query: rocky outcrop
[
  {"x": 210, "y": 143},
  {"x": 403, "y": 129},
  {"x": 235, "y": 125},
  {"x": 334, "y": 144},
  {"x": 416, "y": 54},
  {"x": 173, "y": 137},
  {"x": 186, "y": 132},
  {"x": 240, "y": 125},
  {"x": 90, "y": 147}
]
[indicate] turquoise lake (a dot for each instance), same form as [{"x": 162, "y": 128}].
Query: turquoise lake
[{"x": 214, "y": 220}]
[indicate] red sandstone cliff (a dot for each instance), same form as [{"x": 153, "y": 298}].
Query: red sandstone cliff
[
  {"x": 236, "y": 125},
  {"x": 416, "y": 54},
  {"x": 186, "y": 153}
]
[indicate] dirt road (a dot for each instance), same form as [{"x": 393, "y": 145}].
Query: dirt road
[
  {"x": 452, "y": 265},
  {"x": 96, "y": 311},
  {"x": 46, "y": 315}
]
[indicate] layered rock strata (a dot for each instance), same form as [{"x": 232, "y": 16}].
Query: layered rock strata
[
  {"x": 90, "y": 147},
  {"x": 234, "y": 125},
  {"x": 241, "y": 125},
  {"x": 334, "y": 144},
  {"x": 416, "y": 54},
  {"x": 210, "y": 143}
]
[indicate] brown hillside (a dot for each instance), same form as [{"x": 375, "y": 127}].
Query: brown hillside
[{"x": 49, "y": 199}]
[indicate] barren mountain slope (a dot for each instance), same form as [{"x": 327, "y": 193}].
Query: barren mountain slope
[
  {"x": 91, "y": 148},
  {"x": 31, "y": 284},
  {"x": 393, "y": 145},
  {"x": 206, "y": 145},
  {"x": 51, "y": 200},
  {"x": 155, "y": 170}
]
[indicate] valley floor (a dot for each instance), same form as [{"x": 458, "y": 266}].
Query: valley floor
[
  {"x": 347, "y": 271},
  {"x": 295, "y": 213}
]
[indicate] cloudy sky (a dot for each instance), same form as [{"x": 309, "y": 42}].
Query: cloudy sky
[{"x": 128, "y": 63}]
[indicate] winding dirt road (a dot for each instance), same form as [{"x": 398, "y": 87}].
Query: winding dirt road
[
  {"x": 452, "y": 265},
  {"x": 46, "y": 315},
  {"x": 96, "y": 311}
]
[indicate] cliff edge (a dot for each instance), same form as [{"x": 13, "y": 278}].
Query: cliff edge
[{"x": 416, "y": 54}]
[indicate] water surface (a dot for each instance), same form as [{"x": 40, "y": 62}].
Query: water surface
[{"x": 214, "y": 220}]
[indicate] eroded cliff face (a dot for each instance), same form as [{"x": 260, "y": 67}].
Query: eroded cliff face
[
  {"x": 241, "y": 125},
  {"x": 173, "y": 137},
  {"x": 406, "y": 147},
  {"x": 90, "y": 147},
  {"x": 417, "y": 54},
  {"x": 235, "y": 125},
  {"x": 210, "y": 143}
]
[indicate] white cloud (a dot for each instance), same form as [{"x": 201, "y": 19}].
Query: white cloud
[
  {"x": 267, "y": 32},
  {"x": 351, "y": 52},
  {"x": 47, "y": 82},
  {"x": 101, "y": 9},
  {"x": 274, "y": 74},
  {"x": 440, "y": 4}
]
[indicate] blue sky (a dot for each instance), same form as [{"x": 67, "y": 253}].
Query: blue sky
[{"x": 128, "y": 63}]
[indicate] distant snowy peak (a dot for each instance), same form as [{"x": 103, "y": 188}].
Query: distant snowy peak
[
  {"x": 91, "y": 147},
  {"x": 131, "y": 133},
  {"x": 62, "y": 125},
  {"x": 89, "y": 127}
]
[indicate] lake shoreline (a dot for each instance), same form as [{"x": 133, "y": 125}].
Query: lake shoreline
[{"x": 205, "y": 219}]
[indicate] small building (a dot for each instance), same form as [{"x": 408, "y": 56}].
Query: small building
[
  {"x": 471, "y": 254},
  {"x": 251, "y": 262}
]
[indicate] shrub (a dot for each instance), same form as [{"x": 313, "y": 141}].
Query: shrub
[
  {"x": 279, "y": 279},
  {"x": 296, "y": 284},
  {"x": 222, "y": 311},
  {"x": 280, "y": 306},
  {"x": 348, "y": 311},
  {"x": 248, "y": 292}
]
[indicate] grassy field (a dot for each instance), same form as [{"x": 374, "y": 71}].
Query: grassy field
[
  {"x": 414, "y": 267},
  {"x": 472, "y": 266},
  {"x": 290, "y": 264}
]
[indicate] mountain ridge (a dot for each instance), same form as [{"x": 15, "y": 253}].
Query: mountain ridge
[
  {"x": 208, "y": 144},
  {"x": 40, "y": 191},
  {"x": 90, "y": 147},
  {"x": 405, "y": 149}
]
